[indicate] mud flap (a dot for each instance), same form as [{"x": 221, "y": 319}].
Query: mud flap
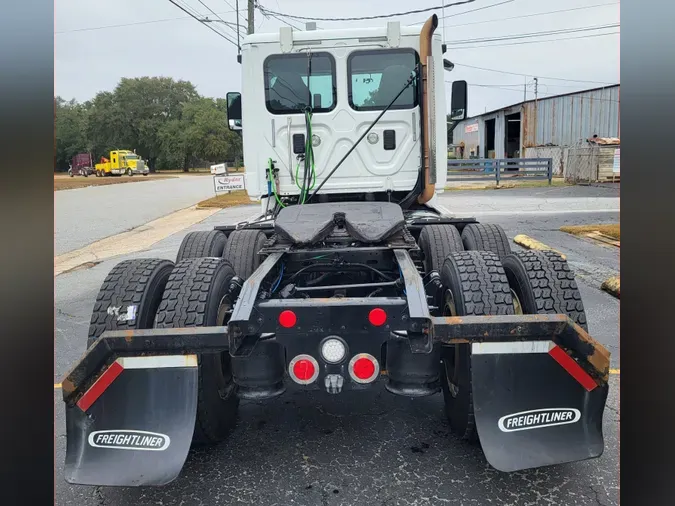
[
  {"x": 534, "y": 405},
  {"x": 133, "y": 426}
]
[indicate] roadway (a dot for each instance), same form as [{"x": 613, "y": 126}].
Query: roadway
[{"x": 373, "y": 448}]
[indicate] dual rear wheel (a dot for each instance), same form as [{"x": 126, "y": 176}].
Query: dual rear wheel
[
  {"x": 480, "y": 275},
  {"x": 192, "y": 292}
]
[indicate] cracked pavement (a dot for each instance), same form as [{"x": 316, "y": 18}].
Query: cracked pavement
[{"x": 372, "y": 447}]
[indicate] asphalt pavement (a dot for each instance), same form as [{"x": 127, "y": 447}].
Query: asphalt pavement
[
  {"x": 371, "y": 448},
  {"x": 85, "y": 215}
]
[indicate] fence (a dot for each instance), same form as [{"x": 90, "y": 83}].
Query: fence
[
  {"x": 582, "y": 164},
  {"x": 483, "y": 169},
  {"x": 588, "y": 164}
]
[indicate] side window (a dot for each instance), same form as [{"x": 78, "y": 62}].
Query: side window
[
  {"x": 297, "y": 81},
  {"x": 377, "y": 76}
]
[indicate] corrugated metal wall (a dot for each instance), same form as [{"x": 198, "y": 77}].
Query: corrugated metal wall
[
  {"x": 570, "y": 119},
  {"x": 471, "y": 139}
]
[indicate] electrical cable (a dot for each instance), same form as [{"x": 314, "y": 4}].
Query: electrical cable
[
  {"x": 363, "y": 18},
  {"x": 226, "y": 23},
  {"x": 501, "y": 20},
  {"x": 530, "y": 75},
  {"x": 203, "y": 23},
  {"x": 536, "y": 41}
]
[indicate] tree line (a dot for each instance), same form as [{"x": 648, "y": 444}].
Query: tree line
[{"x": 166, "y": 121}]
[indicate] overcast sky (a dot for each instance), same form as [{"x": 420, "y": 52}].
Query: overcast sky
[{"x": 92, "y": 56}]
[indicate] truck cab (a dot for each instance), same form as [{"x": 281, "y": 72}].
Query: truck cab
[
  {"x": 321, "y": 90},
  {"x": 121, "y": 162}
]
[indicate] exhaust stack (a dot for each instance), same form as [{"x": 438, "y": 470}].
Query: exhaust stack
[{"x": 425, "y": 52}]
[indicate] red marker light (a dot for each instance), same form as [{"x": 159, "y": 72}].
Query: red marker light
[
  {"x": 364, "y": 368},
  {"x": 304, "y": 369},
  {"x": 287, "y": 319},
  {"x": 377, "y": 317}
]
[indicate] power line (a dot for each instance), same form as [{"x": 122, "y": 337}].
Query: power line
[
  {"x": 533, "y": 34},
  {"x": 206, "y": 20},
  {"x": 379, "y": 16},
  {"x": 204, "y": 23},
  {"x": 537, "y": 41},
  {"x": 478, "y": 9},
  {"x": 531, "y": 15},
  {"x": 530, "y": 75},
  {"x": 235, "y": 10},
  {"x": 93, "y": 28},
  {"x": 544, "y": 94}
]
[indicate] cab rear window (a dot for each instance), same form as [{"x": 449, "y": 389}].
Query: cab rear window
[
  {"x": 301, "y": 81},
  {"x": 377, "y": 76}
]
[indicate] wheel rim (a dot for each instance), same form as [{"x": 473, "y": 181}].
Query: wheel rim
[
  {"x": 224, "y": 313},
  {"x": 450, "y": 309}
]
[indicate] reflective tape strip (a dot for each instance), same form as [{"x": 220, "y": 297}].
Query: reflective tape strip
[
  {"x": 158, "y": 361},
  {"x": 574, "y": 369},
  {"x": 99, "y": 386},
  {"x": 116, "y": 368},
  {"x": 513, "y": 347}
]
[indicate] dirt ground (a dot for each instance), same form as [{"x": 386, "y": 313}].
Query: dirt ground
[
  {"x": 65, "y": 182},
  {"x": 224, "y": 200}
]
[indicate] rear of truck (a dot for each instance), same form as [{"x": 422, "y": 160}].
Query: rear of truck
[{"x": 341, "y": 285}]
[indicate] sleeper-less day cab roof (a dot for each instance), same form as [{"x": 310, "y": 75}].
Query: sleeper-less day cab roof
[{"x": 372, "y": 168}]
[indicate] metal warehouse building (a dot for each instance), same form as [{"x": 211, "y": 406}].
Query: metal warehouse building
[{"x": 541, "y": 128}]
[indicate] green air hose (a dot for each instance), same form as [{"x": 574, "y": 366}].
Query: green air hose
[
  {"x": 309, "y": 160},
  {"x": 270, "y": 174}
]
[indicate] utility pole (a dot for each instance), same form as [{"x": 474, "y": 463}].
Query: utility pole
[
  {"x": 238, "y": 39},
  {"x": 525, "y": 89},
  {"x": 536, "y": 88},
  {"x": 251, "y": 10}
]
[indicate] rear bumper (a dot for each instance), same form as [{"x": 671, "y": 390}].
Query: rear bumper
[{"x": 482, "y": 332}]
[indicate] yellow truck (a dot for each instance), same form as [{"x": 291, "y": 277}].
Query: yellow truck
[{"x": 121, "y": 162}]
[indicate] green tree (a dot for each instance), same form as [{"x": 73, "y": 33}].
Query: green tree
[
  {"x": 71, "y": 119},
  {"x": 141, "y": 109},
  {"x": 207, "y": 132}
]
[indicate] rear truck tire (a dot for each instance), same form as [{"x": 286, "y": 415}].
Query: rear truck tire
[
  {"x": 242, "y": 250},
  {"x": 543, "y": 283},
  {"x": 486, "y": 237},
  {"x": 474, "y": 284},
  {"x": 196, "y": 295},
  {"x": 129, "y": 296},
  {"x": 70, "y": 173},
  {"x": 202, "y": 243},
  {"x": 436, "y": 243}
]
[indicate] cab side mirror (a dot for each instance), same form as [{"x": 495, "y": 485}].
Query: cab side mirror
[
  {"x": 458, "y": 101},
  {"x": 234, "y": 110}
]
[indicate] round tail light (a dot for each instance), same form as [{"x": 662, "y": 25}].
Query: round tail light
[
  {"x": 303, "y": 369},
  {"x": 364, "y": 368}
]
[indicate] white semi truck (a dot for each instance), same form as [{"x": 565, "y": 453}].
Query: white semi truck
[{"x": 352, "y": 269}]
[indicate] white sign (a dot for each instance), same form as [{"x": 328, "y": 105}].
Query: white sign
[
  {"x": 221, "y": 168},
  {"x": 471, "y": 128},
  {"x": 228, "y": 183},
  {"x": 617, "y": 161}
]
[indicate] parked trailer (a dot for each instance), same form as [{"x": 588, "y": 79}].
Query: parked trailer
[{"x": 337, "y": 281}]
